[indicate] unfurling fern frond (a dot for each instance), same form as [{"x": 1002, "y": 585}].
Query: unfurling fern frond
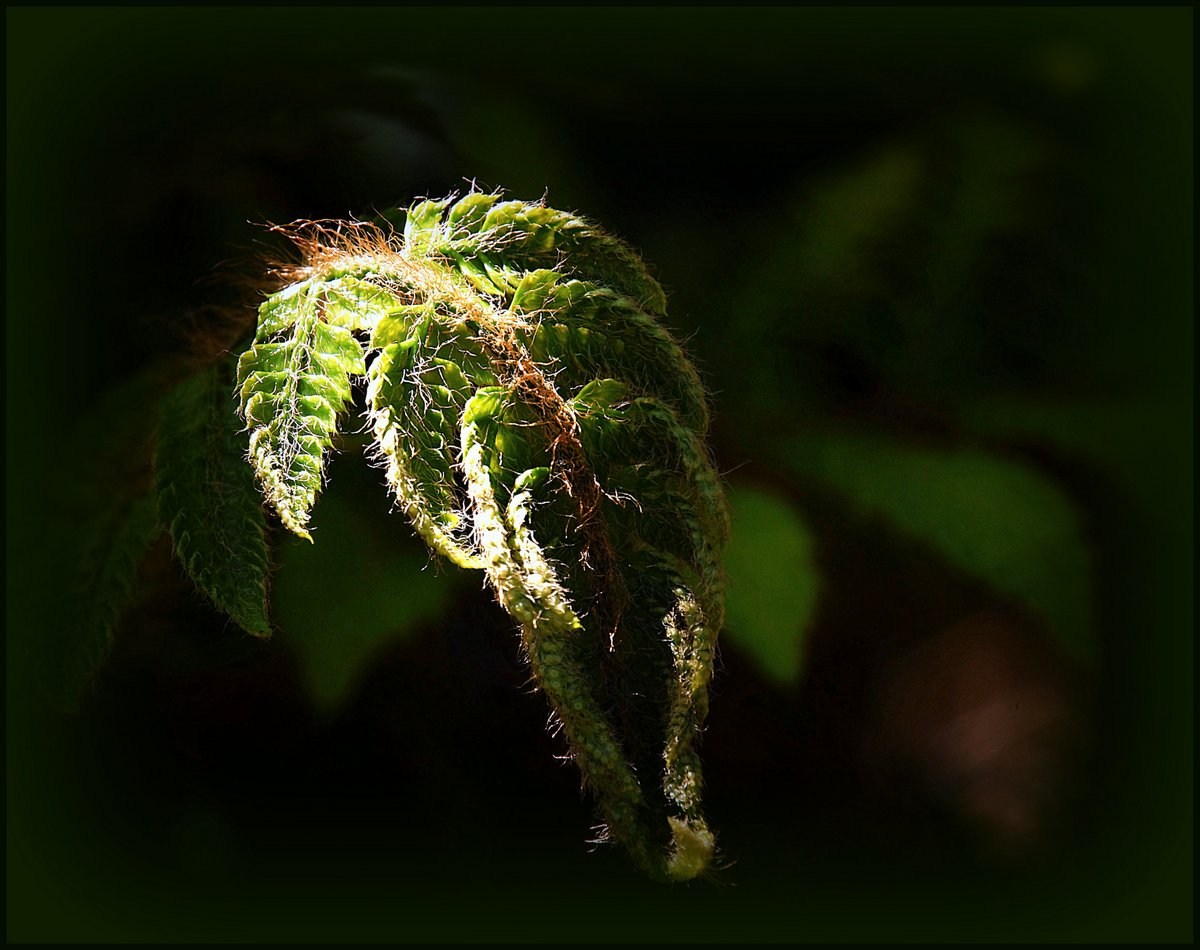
[{"x": 535, "y": 420}]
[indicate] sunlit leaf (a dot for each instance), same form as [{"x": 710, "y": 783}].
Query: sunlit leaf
[{"x": 293, "y": 383}]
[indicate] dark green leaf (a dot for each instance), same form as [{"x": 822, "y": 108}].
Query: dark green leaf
[
  {"x": 112, "y": 546},
  {"x": 995, "y": 519},
  {"x": 208, "y": 500}
]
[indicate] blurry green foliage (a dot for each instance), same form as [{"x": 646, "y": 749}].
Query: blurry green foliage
[
  {"x": 106, "y": 524},
  {"x": 111, "y": 546},
  {"x": 1129, "y": 439},
  {"x": 365, "y": 584},
  {"x": 207, "y": 500},
  {"x": 905, "y": 274},
  {"x": 773, "y": 581},
  {"x": 996, "y": 520}
]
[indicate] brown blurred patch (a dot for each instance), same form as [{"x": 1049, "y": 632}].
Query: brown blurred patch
[{"x": 985, "y": 717}]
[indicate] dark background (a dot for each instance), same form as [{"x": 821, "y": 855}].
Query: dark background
[{"x": 936, "y": 268}]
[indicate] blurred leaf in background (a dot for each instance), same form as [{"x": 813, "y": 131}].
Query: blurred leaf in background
[
  {"x": 106, "y": 522},
  {"x": 773, "y": 582},
  {"x": 993, "y": 518},
  {"x": 1127, "y": 436},
  {"x": 363, "y": 584}
]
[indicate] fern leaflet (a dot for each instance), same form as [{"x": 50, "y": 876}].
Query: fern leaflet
[{"x": 207, "y": 498}]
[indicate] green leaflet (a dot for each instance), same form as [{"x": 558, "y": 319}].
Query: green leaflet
[
  {"x": 293, "y": 383},
  {"x": 591, "y": 332},
  {"x": 416, "y": 400},
  {"x": 488, "y": 237},
  {"x": 535, "y": 421},
  {"x": 207, "y": 498}
]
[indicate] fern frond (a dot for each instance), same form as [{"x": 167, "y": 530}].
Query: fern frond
[
  {"x": 537, "y": 421},
  {"x": 208, "y": 500}
]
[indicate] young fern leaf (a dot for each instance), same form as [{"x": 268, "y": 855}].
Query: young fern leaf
[
  {"x": 537, "y": 422},
  {"x": 207, "y": 497},
  {"x": 293, "y": 383}
]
